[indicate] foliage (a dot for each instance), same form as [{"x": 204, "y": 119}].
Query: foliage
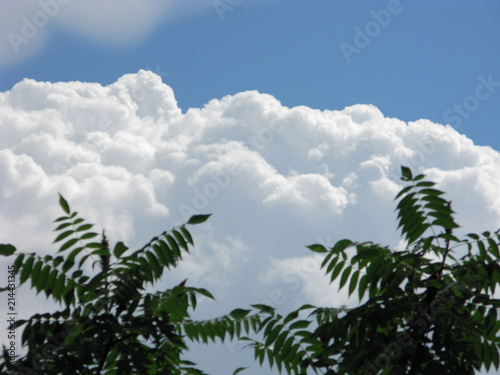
[
  {"x": 426, "y": 309},
  {"x": 109, "y": 324}
]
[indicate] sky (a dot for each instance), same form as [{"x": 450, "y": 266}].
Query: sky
[{"x": 287, "y": 120}]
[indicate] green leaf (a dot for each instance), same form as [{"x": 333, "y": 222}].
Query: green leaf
[
  {"x": 68, "y": 244},
  {"x": 6, "y": 249},
  {"x": 293, "y": 315},
  {"x": 363, "y": 283},
  {"x": 273, "y": 333},
  {"x": 433, "y": 192},
  {"x": 42, "y": 279},
  {"x": 160, "y": 254},
  {"x": 84, "y": 227},
  {"x": 345, "y": 276},
  {"x": 180, "y": 240},
  {"x": 239, "y": 314},
  {"x": 342, "y": 245},
  {"x": 62, "y": 218},
  {"x": 173, "y": 246},
  {"x": 64, "y": 204},
  {"x": 486, "y": 355},
  {"x": 167, "y": 253},
  {"x": 332, "y": 264},
  {"x": 425, "y": 184},
  {"x": 58, "y": 287},
  {"x": 337, "y": 270},
  {"x": 62, "y": 226},
  {"x": 263, "y": 308},
  {"x": 300, "y": 324},
  {"x": 198, "y": 219},
  {"x": 473, "y": 236},
  {"x": 495, "y": 358},
  {"x": 364, "y": 253},
  {"x": 403, "y": 191},
  {"x": 353, "y": 283},
  {"x": 153, "y": 261},
  {"x": 119, "y": 249},
  {"x": 317, "y": 248},
  {"x": 86, "y": 236},
  {"x": 493, "y": 248},
  {"x": 406, "y": 173},
  {"x": 63, "y": 235},
  {"x": 238, "y": 370},
  {"x": 186, "y": 235},
  {"x": 35, "y": 272},
  {"x": 27, "y": 266}
]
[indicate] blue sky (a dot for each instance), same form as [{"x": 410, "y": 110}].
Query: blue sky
[
  {"x": 426, "y": 58},
  {"x": 319, "y": 157}
]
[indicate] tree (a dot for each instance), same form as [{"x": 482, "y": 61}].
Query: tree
[
  {"x": 109, "y": 323},
  {"x": 428, "y": 309}
]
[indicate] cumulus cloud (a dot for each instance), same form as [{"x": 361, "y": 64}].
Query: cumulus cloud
[{"x": 275, "y": 178}]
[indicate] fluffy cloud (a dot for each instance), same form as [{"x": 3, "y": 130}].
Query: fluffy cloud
[{"x": 275, "y": 178}]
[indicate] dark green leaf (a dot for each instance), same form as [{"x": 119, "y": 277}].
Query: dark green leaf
[
  {"x": 119, "y": 249},
  {"x": 317, "y": 248},
  {"x": 425, "y": 184},
  {"x": 354, "y": 282},
  {"x": 342, "y": 245},
  {"x": 180, "y": 240},
  {"x": 63, "y": 235},
  {"x": 198, "y": 219},
  {"x": 406, "y": 173},
  {"x": 6, "y": 249},
  {"x": 238, "y": 370},
  {"x": 300, "y": 324},
  {"x": 239, "y": 314},
  {"x": 42, "y": 279},
  {"x": 186, "y": 235},
  {"x": 84, "y": 227},
  {"x": 35, "y": 272},
  {"x": 336, "y": 271},
  {"x": 173, "y": 246},
  {"x": 27, "y": 266},
  {"x": 363, "y": 282},
  {"x": 68, "y": 244},
  {"x": 345, "y": 276},
  {"x": 64, "y": 204},
  {"x": 58, "y": 287},
  {"x": 403, "y": 191},
  {"x": 86, "y": 236},
  {"x": 153, "y": 261}
]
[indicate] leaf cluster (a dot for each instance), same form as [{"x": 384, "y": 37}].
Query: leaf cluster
[
  {"x": 108, "y": 324},
  {"x": 425, "y": 310}
]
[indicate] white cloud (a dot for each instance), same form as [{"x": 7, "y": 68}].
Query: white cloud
[{"x": 275, "y": 178}]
